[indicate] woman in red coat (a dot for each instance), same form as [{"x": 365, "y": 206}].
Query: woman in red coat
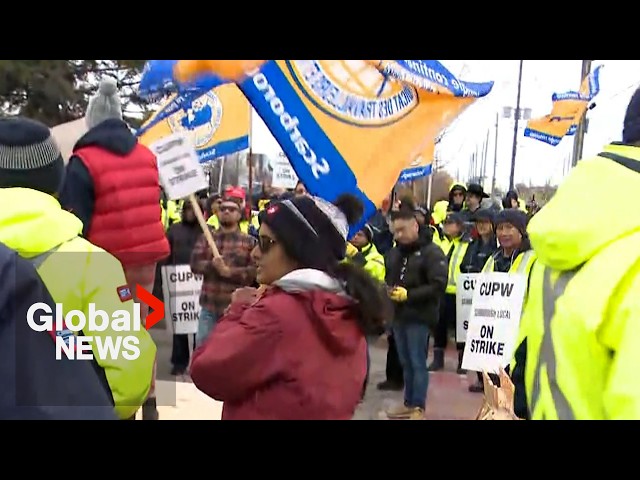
[{"x": 297, "y": 349}]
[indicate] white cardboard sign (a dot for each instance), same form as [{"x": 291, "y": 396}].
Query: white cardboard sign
[
  {"x": 464, "y": 297},
  {"x": 494, "y": 321},
  {"x": 284, "y": 176},
  {"x": 181, "y": 290},
  {"x": 178, "y": 165}
]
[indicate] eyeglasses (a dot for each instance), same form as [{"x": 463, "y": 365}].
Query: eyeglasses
[{"x": 265, "y": 243}]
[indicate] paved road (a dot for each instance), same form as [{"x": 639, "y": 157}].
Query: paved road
[{"x": 448, "y": 397}]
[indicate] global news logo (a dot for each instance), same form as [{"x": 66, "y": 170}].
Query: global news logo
[{"x": 114, "y": 334}]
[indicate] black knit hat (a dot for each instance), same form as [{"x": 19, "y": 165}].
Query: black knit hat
[
  {"x": 631, "y": 129},
  {"x": 515, "y": 217},
  {"x": 483, "y": 214},
  {"x": 311, "y": 230},
  {"x": 29, "y": 156}
]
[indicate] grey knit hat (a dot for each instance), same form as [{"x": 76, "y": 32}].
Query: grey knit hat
[
  {"x": 29, "y": 156},
  {"x": 105, "y": 105}
]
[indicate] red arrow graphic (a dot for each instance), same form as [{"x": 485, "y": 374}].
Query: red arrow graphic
[{"x": 154, "y": 303}]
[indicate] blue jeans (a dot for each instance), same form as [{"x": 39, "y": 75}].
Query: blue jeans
[
  {"x": 370, "y": 340},
  {"x": 206, "y": 324},
  {"x": 412, "y": 340}
]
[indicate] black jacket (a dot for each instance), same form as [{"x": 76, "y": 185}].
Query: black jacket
[
  {"x": 477, "y": 254},
  {"x": 78, "y": 192},
  {"x": 425, "y": 278},
  {"x": 182, "y": 237},
  {"x": 33, "y": 384},
  {"x": 382, "y": 236}
]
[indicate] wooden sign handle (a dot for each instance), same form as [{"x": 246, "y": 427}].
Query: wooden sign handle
[{"x": 203, "y": 224}]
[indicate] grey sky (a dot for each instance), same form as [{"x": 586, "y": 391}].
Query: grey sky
[{"x": 536, "y": 162}]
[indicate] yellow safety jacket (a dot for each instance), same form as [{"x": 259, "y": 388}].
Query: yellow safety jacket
[
  {"x": 440, "y": 211},
  {"x": 374, "y": 262},
  {"x": 456, "y": 253},
  {"x": 581, "y": 318},
  {"x": 171, "y": 215},
  {"x": 522, "y": 263},
  {"x": 244, "y": 224},
  {"x": 77, "y": 273},
  {"x": 437, "y": 239}
]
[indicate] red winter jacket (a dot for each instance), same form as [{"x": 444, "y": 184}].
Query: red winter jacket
[
  {"x": 295, "y": 354},
  {"x": 123, "y": 213}
]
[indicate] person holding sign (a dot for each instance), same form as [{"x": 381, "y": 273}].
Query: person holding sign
[
  {"x": 514, "y": 256},
  {"x": 480, "y": 249},
  {"x": 416, "y": 275},
  {"x": 582, "y": 318},
  {"x": 222, "y": 276},
  {"x": 297, "y": 350},
  {"x": 182, "y": 238}
]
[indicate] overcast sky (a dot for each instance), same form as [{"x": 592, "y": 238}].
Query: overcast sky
[{"x": 536, "y": 162}]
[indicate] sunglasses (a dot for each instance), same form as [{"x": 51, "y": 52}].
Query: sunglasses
[
  {"x": 265, "y": 243},
  {"x": 229, "y": 209}
]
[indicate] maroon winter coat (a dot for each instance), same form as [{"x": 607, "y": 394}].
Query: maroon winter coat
[{"x": 296, "y": 353}]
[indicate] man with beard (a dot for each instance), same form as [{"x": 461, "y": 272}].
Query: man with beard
[{"x": 222, "y": 276}]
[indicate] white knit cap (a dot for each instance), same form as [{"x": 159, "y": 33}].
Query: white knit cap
[{"x": 105, "y": 104}]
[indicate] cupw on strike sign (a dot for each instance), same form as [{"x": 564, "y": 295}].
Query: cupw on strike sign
[{"x": 494, "y": 321}]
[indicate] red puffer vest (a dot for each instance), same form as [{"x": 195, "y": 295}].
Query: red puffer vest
[{"x": 126, "y": 220}]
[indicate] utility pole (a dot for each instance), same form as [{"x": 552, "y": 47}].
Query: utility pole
[
  {"x": 578, "y": 142},
  {"x": 485, "y": 150},
  {"x": 495, "y": 156},
  {"x": 515, "y": 130}
]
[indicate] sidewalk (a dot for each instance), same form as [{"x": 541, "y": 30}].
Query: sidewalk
[{"x": 448, "y": 397}]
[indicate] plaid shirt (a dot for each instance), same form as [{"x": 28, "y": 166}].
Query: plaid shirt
[{"x": 235, "y": 248}]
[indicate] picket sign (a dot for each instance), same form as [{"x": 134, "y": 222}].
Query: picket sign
[
  {"x": 181, "y": 289},
  {"x": 464, "y": 297},
  {"x": 182, "y": 176},
  {"x": 284, "y": 176},
  {"x": 494, "y": 321}
]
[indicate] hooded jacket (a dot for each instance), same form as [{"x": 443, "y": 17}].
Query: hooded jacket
[
  {"x": 594, "y": 330},
  {"x": 112, "y": 186},
  {"x": 78, "y": 274},
  {"x": 297, "y": 353},
  {"x": 36, "y": 386}
]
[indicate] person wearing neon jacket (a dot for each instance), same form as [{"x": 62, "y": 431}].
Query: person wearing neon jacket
[
  {"x": 76, "y": 272},
  {"x": 35, "y": 385},
  {"x": 579, "y": 346}
]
